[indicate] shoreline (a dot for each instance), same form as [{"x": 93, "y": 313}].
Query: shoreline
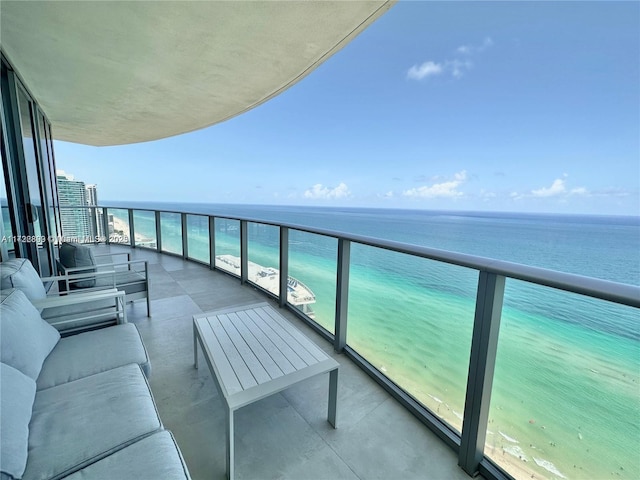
[{"x": 120, "y": 225}]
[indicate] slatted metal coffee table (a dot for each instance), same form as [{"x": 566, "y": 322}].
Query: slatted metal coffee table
[{"x": 253, "y": 352}]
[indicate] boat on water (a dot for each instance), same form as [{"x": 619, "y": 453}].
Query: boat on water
[{"x": 268, "y": 278}]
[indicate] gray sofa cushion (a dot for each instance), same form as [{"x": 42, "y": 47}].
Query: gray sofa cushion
[
  {"x": 80, "y": 422},
  {"x": 19, "y": 273},
  {"x": 74, "y": 255},
  {"x": 156, "y": 456},
  {"x": 25, "y": 339},
  {"x": 93, "y": 352},
  {"x": 17, "y": 392}
]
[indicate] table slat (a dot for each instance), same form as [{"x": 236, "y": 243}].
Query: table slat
[
  {"x": 246, "y": 328},
  {"x": 231, "y": 353},
  {"x": 228, "y": 380},
  {"x": 231, "y": 322}
]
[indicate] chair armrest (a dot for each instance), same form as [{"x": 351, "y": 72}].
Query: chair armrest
[
  {"x": 91, "y": 313},
  {"x": 68, "y": 279},
  {"x": 76, "y": 298},
  {"x": 101, "y": 255},
  {"x": 113, "y": 266}
]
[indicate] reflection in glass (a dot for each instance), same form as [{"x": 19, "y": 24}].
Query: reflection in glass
[
  {"x": 412, "y": 318},
  {"x": 198, "y": 237},
  {"x": 144, "y": 226},
  {"x": 264, "y": 256},
  {"x": 565, "y": 391},
  {"x": 171, "y": 231},
  {"x": 312, "y": 265},
  {"x": 227, "y": 239},
  {"x": 119, "y": 230}
]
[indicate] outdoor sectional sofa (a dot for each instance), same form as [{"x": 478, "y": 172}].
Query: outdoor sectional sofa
[{"x": 77, "y": 407}]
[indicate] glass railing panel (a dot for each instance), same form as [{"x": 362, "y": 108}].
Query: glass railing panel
[
  {"x": 118, "y": 225},
  {"x": 198, "y": 237},
  {"x": 264, "y": 256},
  {"x": 565, "y": 400},
  {"x": 312, "y": 276},
  {"x": 144, "y": 227},
  {"x": 171, "y": 231},
  {"x": 228, "y": 245},
  {"x": 412, "y": 319},
  {"x": 6, "y": 223}
]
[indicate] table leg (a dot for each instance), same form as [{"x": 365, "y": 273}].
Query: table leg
[
  {"x": 333, "y": 397},
  {"x": 230, "y": 445},
  {"x": 195, "y": 347}
]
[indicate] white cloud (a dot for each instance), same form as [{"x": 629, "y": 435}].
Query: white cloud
[
  {"x": 458, "y": 67},
  {"x": 455, "y": 67},
  {"x": 447, "y": 189},
  {"x": 427, "y": 69},
  {"x": 556, "y": 188},
  {"x": 472, "y": 49},
  {"x": 320, "y": 191}
]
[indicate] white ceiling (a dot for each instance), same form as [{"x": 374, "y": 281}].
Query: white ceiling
[{"x": 111, "y": 73}]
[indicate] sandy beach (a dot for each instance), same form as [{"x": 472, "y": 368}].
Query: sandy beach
[{"x": 121, "y": 227}]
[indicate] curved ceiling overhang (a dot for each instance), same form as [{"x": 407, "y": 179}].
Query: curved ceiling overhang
[{"x": 113, "y": 73}]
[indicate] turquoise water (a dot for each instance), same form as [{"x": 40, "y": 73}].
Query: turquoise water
[{"x": 566, "y": 394}]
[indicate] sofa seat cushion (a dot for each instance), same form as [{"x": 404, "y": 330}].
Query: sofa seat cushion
[
  {"x": 93, "y": 352},
  {"x": 25, "y": 339},
  {"x": 74, "y": 316},
  {"x": 17, "y": 392},
  {"x": 78, "y": 423},
  {"x": 155, "y": 456},
  {"x": 19, "y": 273},
  {"x": 75, "y": 255}
]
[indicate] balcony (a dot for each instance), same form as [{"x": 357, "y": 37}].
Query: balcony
[
  {"x": 283, "y": 436},
  {"x": 422, "y": 338}
]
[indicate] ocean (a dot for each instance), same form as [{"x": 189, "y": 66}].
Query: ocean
[{"x": 566, "y": 393}]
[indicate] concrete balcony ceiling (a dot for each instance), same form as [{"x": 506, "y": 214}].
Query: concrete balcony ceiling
[{"x": 112, "y": 73}]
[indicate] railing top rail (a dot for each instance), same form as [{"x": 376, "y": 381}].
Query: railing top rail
[{"x": 622, "y": 293}]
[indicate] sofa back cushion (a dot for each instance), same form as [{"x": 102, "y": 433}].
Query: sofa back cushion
[
  {"x": 19, "y": 273},
  {"x": 17, "y": 393},
  {"x": 75, "y": 255},
  {"x": 25, "y": 338}
]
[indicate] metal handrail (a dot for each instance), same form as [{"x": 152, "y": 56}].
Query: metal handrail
[{"x": 621, "y": 293}]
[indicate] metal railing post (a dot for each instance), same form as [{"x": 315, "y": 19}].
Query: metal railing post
[
  {"x": 284, "y": 265},
  {"x": 484, "y": 345},
  {"x": 94, "y": 224},
  {"x": 105, "y": 226},
  {"x": 185, "y": 241},
  {"x": 244, "y": 252},
  {"x": 132, "y": 230},
  {"x": 158, "y": 232},
  {"x": 342, "y": 294},
  {"x": 212, "y": 242}
]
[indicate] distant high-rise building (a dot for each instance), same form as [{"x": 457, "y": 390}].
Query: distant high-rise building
[
  {"x": 97, "y": 224},
  {"x": 76, "y": 222}
]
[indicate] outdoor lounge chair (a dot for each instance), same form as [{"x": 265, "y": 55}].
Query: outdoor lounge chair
[{"x": 131, "y": 276}]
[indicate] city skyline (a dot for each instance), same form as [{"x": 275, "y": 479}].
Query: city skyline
[{"x": 522, "y": 107}]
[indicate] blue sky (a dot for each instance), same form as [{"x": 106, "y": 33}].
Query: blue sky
[{"x": 494, "y": 106}]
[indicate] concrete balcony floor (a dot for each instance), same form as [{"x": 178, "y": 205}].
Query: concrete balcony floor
[{"x": 285, "y": 436}]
